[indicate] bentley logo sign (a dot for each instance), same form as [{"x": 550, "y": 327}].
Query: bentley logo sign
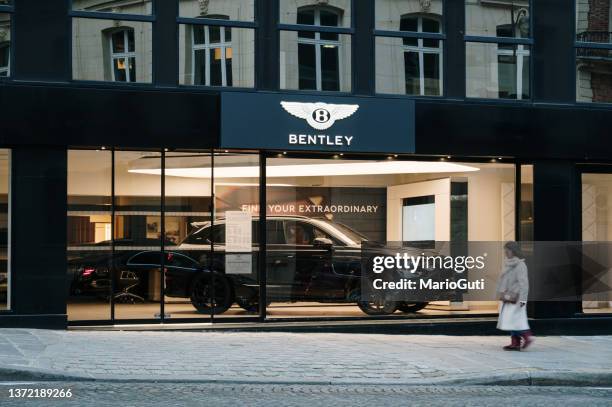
[{"x": 320, "y": 116}]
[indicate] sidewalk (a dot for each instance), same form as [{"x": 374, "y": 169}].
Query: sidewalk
[{"x": 248, "y": 357}]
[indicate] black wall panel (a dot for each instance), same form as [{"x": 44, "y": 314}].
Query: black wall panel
[{"x": 38, "y": 229}]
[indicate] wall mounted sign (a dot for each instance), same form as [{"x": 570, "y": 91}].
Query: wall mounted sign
[{"x": 251, "y": 120}]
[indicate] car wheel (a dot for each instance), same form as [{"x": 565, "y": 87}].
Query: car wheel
[
  {"x": 411, "y": 306},
  {"x": 377, "y": 306},
  {"x": 202, "y": 294}
]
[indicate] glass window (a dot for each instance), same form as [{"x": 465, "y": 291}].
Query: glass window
[
  {"x": 497, "y": 70},
  {"x": 5, "y": 44},
  {"x": 332, "y": 13},
  {"x": 5, "y": 233},
  {"x": 593, "y": 65},
  {"x": 485, "y": 18},
  {"x": 144, "y": 7},
  {"x": 391, "y": 14},
  {"x": 381, "y": 202},
  {"x": 597, "y": 235},
  {"x": 217, "y": 56},
  {"x": 312, "y": 60},
  {"x": 236, "y": 10},
  {"x": 411, "y": 65},
  {"x": 109, "y": 50}
]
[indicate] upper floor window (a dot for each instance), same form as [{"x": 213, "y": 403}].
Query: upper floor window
[
  {"x": 217, "y": 43},
  {"x": 123, "y": 55},
  {"x": 5, "y": 42},
  {"x": 593, "y": 51},
  {"x": 112, "y": 41},
  {"x": 315, "y": 46},
  {"x": 498, "y": 48},
  {"x": 409, "y": 47}
]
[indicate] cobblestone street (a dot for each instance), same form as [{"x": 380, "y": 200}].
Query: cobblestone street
[{"x": 174, "y": 394}]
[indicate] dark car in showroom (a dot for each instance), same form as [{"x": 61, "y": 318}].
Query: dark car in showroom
[{"x": 307, "y": 260}]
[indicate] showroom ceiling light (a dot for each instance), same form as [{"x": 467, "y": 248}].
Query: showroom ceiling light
[{"x": 316, "y": 169}]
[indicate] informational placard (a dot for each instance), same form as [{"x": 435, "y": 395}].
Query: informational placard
[{"x": 238, "y": 242}]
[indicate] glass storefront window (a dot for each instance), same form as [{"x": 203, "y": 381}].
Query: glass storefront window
[
  {"x": 89, "y": 235},
  {"x": 526, "y": 209},
  {"x": 237, "y": 10},
  {"x": 318, "y": 219},
  {"x": 498, "y": 71},
  {"x": 217, "y": 56},
  {"x": 5, "y": 229},
  {"x": 112, "y": 50},
  {"x": 597, "y": 228},
  {"x": 5, "y": 45}
]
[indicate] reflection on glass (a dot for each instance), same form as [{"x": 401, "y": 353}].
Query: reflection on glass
[
  {"x": 236, "y": 236},
  {"x": 103, "y": 51},
  {"x": 315, "y": 61},
  {"x": 187, "y": 206},
  {"x": 501, "y": 19},
  {"x": 89, "y": 235},
  {"x": 526, "y": 209},
  {"x": 133, "y": 7},
  {"x": 138, "y": 236},
  {"x": 319, "y": 213},
  {"x": 5, "y": 265},
  {"x": 390, "y": 14},
  {"x": 594, "y": 75},
  {"x": 593, "y": 21},
  {"x": 334, "y": 13},
  {"x": 5, "y": 44},
  {"x": 237, "y": 10},
  {"x": 498, "y": 71},
  {"x": 217, "y": 56},
  {"x": 596, "y": 227}
]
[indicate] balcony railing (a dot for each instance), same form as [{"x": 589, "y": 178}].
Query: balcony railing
[{"x": 595, "y": 36}]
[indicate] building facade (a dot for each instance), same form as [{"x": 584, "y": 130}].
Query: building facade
[{"x": 223, "y": 160}]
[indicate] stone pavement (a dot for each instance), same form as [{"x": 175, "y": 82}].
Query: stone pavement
[{"x": 316, "y": 358}]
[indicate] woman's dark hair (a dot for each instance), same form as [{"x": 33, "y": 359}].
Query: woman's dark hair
[{"x": 515, "y": 249}]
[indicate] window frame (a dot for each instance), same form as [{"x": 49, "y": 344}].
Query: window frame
[
  {"x": 126, "y": 55},
  {"x": 318, "y": 30},
  {"x": 8, "y": 9},
  {"x": 207, "y": 46},
  {"x": 420, "y": 36},
  {"x": 587, "y": 45},
  {"x": 124, "y": 18},
  {"x": 516, "y": 42},
  {"x": 208, "y": 22}
]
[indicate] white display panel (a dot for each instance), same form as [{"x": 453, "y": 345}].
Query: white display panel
[{"x": 419, "y": 222}]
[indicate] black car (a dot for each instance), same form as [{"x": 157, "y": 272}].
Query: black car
[{"x": 307, "y": 259}]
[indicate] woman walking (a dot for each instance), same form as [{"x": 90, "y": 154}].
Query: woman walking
[{"x": 512, "y": 291}]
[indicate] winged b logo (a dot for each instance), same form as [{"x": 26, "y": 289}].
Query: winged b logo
[{"x": 320, "y": 116}]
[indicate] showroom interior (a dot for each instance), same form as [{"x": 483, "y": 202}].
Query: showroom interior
[{"x": 158, "y": 133}]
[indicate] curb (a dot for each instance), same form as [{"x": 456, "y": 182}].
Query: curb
[{"x": 521, "y": 378}]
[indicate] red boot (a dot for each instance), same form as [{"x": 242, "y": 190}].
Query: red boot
[
  {"x": 515, "y": 344},
  {"x": 527, "y": 337}
]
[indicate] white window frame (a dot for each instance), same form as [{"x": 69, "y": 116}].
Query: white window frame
[
  {"x": 318, "y": 43},
  {"x": 521, "y": 52},
  {"x": 421, "y": 50},
  {"x": 7, "y": 68},
  {"x": 223, "y": 45},
  {"x": 126, "y": 55}
]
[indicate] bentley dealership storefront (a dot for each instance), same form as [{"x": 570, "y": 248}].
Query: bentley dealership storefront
[{"x": 233, "y": 163}]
